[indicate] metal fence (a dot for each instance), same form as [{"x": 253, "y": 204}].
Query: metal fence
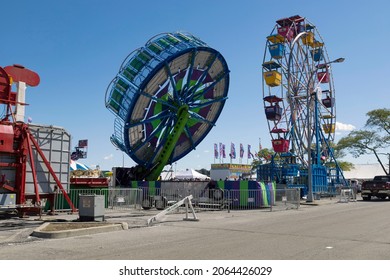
[
  {"x": 285, "y": 199},
  {"x": 114, "y": 199},
  {"x": 203, "y": 200},
  {"x": 124, "y": 199}
]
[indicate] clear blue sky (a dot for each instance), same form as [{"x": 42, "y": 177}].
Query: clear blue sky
[{"x": 77, "y": 47}]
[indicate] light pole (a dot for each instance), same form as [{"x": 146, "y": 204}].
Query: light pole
[
  {"x": 309, "y": 197},
  {"x": 311, "y": 92},
  {"x": 123, "y": 157},
  {"x": 323, "y": 65}
]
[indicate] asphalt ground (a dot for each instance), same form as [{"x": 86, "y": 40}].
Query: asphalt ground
[
  {"x": 324, "y": 230},
  {"x": 14, "y": 229}
]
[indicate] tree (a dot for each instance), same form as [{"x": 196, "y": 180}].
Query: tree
[
  {"x": 338, "y": 153},
  {"x": 379, "y": 119},
  {"x": 263, "y": 156},
  {"x": 360, "y": 142},
  {"x": 204, "y": 171},
  {"x": 373, "y": 139},
  {"x": 345, "y": 165}
]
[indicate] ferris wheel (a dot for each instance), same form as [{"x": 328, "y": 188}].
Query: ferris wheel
[{"x": 298, "y": 90}]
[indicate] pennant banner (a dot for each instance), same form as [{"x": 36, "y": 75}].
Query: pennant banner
[
  {"x": 232, "y": 150},
  {"x": 249, "y": 152}
]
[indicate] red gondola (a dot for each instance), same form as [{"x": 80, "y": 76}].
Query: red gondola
[{"x": 280, "y": 145}]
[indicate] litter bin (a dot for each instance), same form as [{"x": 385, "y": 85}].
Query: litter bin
[{"x": 91, "y": 207}]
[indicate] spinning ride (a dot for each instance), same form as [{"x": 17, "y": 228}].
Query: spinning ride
[
  {"x": 299, "y": 101},
  {"x": 166, "y": 98}
]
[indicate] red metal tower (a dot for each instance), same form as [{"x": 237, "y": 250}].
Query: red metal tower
[{"x": 18, "y": 145}]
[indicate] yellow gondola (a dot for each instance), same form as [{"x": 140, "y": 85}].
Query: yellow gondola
[{"x": 329, "y": 128}]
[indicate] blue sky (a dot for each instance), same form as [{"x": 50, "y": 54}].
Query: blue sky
[{"x": 77, "y": 47}]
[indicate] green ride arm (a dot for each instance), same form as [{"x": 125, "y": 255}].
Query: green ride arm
[{"x": 167, "y": 150}]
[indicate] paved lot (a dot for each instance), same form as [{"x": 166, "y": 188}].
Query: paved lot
[{"x": 331, "y": 230}]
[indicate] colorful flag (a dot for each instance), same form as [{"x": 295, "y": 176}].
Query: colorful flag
[
  {"x": 83, "y": 143},
  {"x": 249, "y": 151},
  {"x": 241, "y": 150},
  {"x": 223, "y": 151},
  {"x": 232, "y": 150},
  {"x": 216, "y": 151}
]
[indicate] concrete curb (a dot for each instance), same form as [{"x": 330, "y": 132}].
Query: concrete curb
[{"x": 96, "y": 228}]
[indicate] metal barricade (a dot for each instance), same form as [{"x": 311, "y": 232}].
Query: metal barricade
[
  {"x": 285, "y": 199},
  {"x": 124, "y": 199},
  {"x": 60, "y": 204},
  {"x": 347, "y": 194},
  {"x": 114, "y": 199},
  {"x": 202, "y": 199}
]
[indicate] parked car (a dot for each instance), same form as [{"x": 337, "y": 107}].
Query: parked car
[{"x": 379, "y": 187}]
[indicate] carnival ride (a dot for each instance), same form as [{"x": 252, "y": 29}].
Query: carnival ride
[
  {"x": 299, "y": 101},
  {"x": 166, "y": 98},
  {"x": 27, "y": 175}
]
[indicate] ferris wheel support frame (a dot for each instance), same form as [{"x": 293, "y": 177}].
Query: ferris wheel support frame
[{"x": 313, "y": 94}]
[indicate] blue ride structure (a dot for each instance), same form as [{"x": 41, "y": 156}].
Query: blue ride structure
[{"x": 167, "y": 96}]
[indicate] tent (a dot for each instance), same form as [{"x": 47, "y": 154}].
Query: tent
[
  {"x": 74, "y": 165},
  {"x": 364, "y": 171},
  {"x": 190, "y": 174}
]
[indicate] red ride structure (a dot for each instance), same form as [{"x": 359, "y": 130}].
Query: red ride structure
[{"x": 20, "y": 151}]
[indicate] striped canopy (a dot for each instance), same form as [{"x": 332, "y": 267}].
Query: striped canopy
[{"x": 74, "y": 165}]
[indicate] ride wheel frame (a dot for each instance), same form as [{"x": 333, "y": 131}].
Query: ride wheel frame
[
  {"x": 297, "y": 76},
  {"x": 174, "y": 85}
]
